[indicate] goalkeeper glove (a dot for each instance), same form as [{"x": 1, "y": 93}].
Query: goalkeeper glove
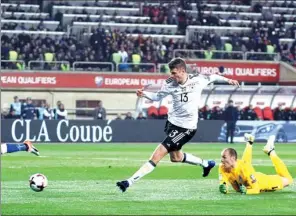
[
  {"x": 223, "y": 188},
  {"x": 243, "y": 189}
]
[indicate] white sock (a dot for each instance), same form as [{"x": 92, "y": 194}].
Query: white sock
[
  {"x": 191, "y": 159},
  {"x": 147, "y": 168},
  {"x": 3, "y": 148}
]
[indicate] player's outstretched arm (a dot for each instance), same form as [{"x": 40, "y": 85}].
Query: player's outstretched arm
[
  {"x": 233, "y": 82},
  {"x": 245, "y": 190},
  {"x": 216, "y": 77},
  {"x": 154, "y": 96},
  {"x": 219, "y": 78},
  {"x": 223, "y": 181},
  {"x": 253, "y": 187}
]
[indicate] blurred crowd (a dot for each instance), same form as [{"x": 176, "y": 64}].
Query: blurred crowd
[
  {"x": 279, "y": 113},
  {"x": 29, "y": 109},
  {"x": 118, "y": 46},
  {"x": 40, "y": 109}
]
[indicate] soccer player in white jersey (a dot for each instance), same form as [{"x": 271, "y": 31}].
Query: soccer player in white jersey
[{"x": 185, "y": 90}]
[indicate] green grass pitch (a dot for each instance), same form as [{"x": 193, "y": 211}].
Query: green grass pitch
[{"x": 82, "y": 182}]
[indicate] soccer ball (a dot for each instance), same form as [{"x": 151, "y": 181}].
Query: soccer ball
[{"x": 38, "y": 182}]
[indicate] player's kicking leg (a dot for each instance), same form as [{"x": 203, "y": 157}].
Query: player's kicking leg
[
  {"x": 15, "y": 147},
  {"x": 278, "y": 164},
  {"x": 174, "y": 143},
  {"x": 145, "y": 169},
  {"x": 179, "y": 156},
  {"x": 176, "y": 138}
]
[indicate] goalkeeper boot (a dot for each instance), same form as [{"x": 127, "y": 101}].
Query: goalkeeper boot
[
  {"x": 269, "y": 147},
  {"x": 206, "y": 170},
  {"x": 249, "y": 138},
  {"x": 31, "y": 148},
  {"x": 123, "y": 185}
]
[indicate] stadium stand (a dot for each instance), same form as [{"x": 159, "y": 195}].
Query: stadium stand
[{"x": 142, "y": 37}]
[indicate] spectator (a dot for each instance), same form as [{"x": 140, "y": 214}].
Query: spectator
[
  {"x": 172, "y": 15},
  {"x": 118, "y": 117},
  {"x": 28, "y": 109},
  {"x": 240, "y": 113},
  {"x": 44, "y": 111},
  {"x": 257, "y": 8},
  {"x": 123, "y": 54},
  {"x": 11, "y": 115},
  {"x": 289, "y": 115},
  {"x": 16, "y": 107},
  {"x": 230, "y": 117},
  {"x": 267, "y": 14},
  {"x": 3, "y": 113},
  {"x": 40, "y": 111},
  {"x": 141, "y": 116},
  {"x": 100, "y": 111},
  {"x": 61, "y": 112},
  {"x": 279, "y": 113},
  {"x": 294, "y": 113},
  {"x": 105, "y": 42},
  {"x": 56, "y": 109},
  {"x": 207, "y": 113},
  {"x": 137, "y": 30},
  {"x": 249, "y": 113},
  {"x": 163, "y": 112},
  {"x": 284, "y": 4},
  {"x": 47, "y": 114},
  {"x": 217, "y": 113},
  {"x": 200, "y": 114},
  {"x": 129, "y": 116}
]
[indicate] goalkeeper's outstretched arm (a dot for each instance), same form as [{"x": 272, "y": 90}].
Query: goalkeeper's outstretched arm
[
  {"x": 253, "y": 187},
  {"x": 223, "y": 181}
]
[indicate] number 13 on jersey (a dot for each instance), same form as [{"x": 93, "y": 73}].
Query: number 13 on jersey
[{"x": 184, "y": 97}]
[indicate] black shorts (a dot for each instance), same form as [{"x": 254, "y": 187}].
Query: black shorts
[{"x": 176, "y": 137}]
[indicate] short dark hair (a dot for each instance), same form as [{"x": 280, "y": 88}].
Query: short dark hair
[
  {"x": 177, "y": 63},
  {"x": 232, "y": 152}
]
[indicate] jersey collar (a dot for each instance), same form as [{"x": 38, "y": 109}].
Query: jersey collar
[{"x": 182, "y": 85}]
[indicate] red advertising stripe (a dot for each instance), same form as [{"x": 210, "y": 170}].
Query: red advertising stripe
[
  {"x": 242, "y": 71},
  {"x": 79, "y": 80}
]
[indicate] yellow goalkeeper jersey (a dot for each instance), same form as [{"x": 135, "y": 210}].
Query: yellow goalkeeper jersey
[{"x": 245, "y": 174}]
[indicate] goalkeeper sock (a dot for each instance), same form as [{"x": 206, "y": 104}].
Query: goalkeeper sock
[
  {"x": 147, "y": 168},
  {"x": 191, "y": 159},
  {"x": 280, "y": 167},
  {"x": 13, "y": 147}
]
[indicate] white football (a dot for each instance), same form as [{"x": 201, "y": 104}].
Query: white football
[{"x": 38, "y": 182}]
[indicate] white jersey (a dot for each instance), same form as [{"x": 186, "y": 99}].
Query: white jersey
[{"x": 185, "y": 98}]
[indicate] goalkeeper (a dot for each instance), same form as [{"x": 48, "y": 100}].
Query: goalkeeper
[{"x": 242, "y": 176}]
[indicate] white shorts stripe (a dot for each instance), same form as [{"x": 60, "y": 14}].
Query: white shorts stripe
[{"x": 177, "y": 138}]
